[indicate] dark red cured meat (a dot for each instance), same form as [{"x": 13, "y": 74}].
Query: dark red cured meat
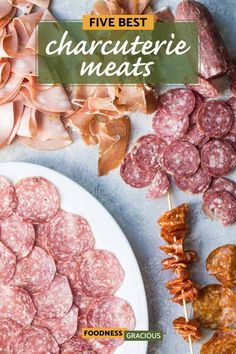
[
  {"x": 159, "y": 186},
  {"x": 133, "y": 175},
  {"x": 221, "y": 184},
  {"x": 213, "y": 56},
  {"x": 32, "y": 340},
  {"x": 215, "y": 119},
  {"x": 197, "y": 183},
  {"x": 193, "y": 115},
  {"x": 18, "y": 236},
  {"x": 232, "y": 104},
  {"x": 56, "y": 301},
  {"x": 177, "y": 103},
  {"x": 218, "y": 158},
  {"x": 231, "y": 138},
  {"x": 148, "y": 151},
  {"x": 203, "y": 142},
  {"x": 69, "y": 236},
  {"x": 8, "y": 328},
  {"x": 169, "y": 129},
  {"x": 16, "y": 303},
  {"x": 7, "y": 264},
  {"x": 38, "y": 200},
  {"x": 100, "y": 273},
  {"x": 8, "y": 200},
  {"x": 193, "y": 136},
  {"x": 205, "y": 88},
  {"x": 181, "y": 158},
  {"x": 76, "y": 345},
  {"x": 35, "y": 272},
  {"x": 63, "y": 328}
]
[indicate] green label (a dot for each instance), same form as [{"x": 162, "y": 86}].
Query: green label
[
  {"x": 70, "y": 55},
  {"x": 149, "y": 336}
]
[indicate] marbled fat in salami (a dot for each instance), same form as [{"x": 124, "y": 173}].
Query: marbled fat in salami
[
  {"x": 231, "y": 138},
  {"x": 232, "y": 104},
  {"x": 7, "y": 264},
  {"x": 8, "y": 200},
  {"x": 221, "y": 184},
  {"x": 205, "y": 88},
  {"x": 195, "y": 184},
  {"x": 198, "y": 104},
  {"x": 8, "y": 328},
  {"x": 159, "y": 186},
  {"x": 177, "y": 103},
  {"x": 193, "y": 135},
  {"x": 76, "y": 345}
]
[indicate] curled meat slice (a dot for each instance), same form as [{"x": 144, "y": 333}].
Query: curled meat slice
[{"x": 187, "y": 328}]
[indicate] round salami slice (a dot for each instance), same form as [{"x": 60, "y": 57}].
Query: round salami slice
[
  {"x": 63, "y": 328},
  {"x": 35, "y": 272},
  {"x": 195, "y": 184},
  {"x": 231, "y": 138},
  {"x": 221, "y": 184},
  {"x": 232, "y": 104},
  {"x": 203, "y": 142},
  {"x": 32, "y": 340},
  {"x": 181, "y": 158},
  {"x": 69, "y": 236},
  {"x": 7, "y": 264},
  {"x": 193, "y": 135},
  {"x": 56, "y": 301},
  {"x": 218, "y": 158},
  {"x": 215, "y": 306},
  {"x": 148, "y": 151},
  {"x": 38, "y": 200},
  {"x": 205, "y": 88},
  {"x": 194, "y": 114},
  {"x": 222, "y": 264},
  {"x": 133, "y": 175},
  {"x": 169, "y": 129},
  {"x": 215, "y": 119},
  {"x": 76, "y": 345},
  {"x": 100, "y": 273},
  {"x": 101, "y": 348},
  {"x": 223, "y": 341},
  {"x": 159, "y": 186},
  {"x": 8, "y": 328},
  {"x": 177, "y": 103},
  {"x": 16, "y": 303},
  {"x": 8, "y": 200},
  {"x": 18, "y": 236},
  {"x": 41, "y": 234}
]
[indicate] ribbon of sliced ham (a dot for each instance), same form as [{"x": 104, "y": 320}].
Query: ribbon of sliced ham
[
  {"x": 133, "y": 98},
  {"x": 10, "y": 120},
  {"x": 24, "y": 65},
  {"x": 108, "y": 7},
  {"x": 28, "y": 125},
  {"x": 25, "y": 26},
  {"x": 5, "y": 8},
  {"x": 5, "y": 69},
  {"x": 23, "y": 5},
  {"x": 10, "y": 90},
  {"x": 9, "y": 42}
]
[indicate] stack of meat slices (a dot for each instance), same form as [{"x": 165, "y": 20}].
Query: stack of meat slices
[{"x": 53, "y": 282}]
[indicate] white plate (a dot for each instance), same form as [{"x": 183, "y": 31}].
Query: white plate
[{"x": 107, "y": 233}]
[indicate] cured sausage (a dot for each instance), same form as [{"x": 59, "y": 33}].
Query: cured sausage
[
  {"x": 223, "y": 341},
  {"x": 8, "y": 200},
  {"x": 193, "y": 135},
  {"x": 232, "y": 104},
  {"x": 7, "y": 264},
  {"x": 221, "y": 184},
  {"x": 231, "y": 138},
  {"x": 177, "y": 103},
  {"x": 204, "y": 88},
  {"x": 198, "y": 104},
  {"x": 195, "y": 184},
  {"x": 159, "y": 186},
  {"x": 76, "y": 345},
  {"x": 8, "y": 328}
]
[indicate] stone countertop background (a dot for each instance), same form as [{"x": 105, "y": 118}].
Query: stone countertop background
[{"x": 133, "y": 211}]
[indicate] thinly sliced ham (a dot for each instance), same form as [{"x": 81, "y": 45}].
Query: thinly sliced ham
[
  {"x": 23, "y": 5},
  {"x": 10, "y": 116},
  {"x": 5, "y": 69},
  {"x": 104, "y": 106},
  {"x": 6, "y": 19},
  {"x": 25, "y": 26},
  {"x": 10, "y": 90},
  {"x": 80, "y": 93},
  {"x": 5, "y": 8},
  {"x": 108, "y": 7},
  {"x": 133, "y": 98},
  {"x": 9, "y": 42},
  {"x": 134, "y": 6},
  {"x": 24, "y": 65}
]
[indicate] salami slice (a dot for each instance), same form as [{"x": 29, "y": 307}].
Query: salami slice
[
  {"x": 193, "y": 135},
  {"x": 7, "y": 264},
  {"x": 76, "y": 345},
  {"x": 205, "y": 88},
  {"x": 18, "y": 236},
  {"x": 177, "y": 103},
  {"x": 197, "y": 183},
  {"x": 100, "y": 348},
  {"x": 215, "y": 119},
  {"x": 16, "y": 303},
  {"x": 72, "y": 233},
  {"x": 38, "y": 200},
  {"x": 159, "y": 186},
  {"x": 203, "y": 142},
  {"x": 8, "y": 200},
  {"x": 232, "y": 104},
  {"x": 56, "y": 301},
  {"x": 32, "y": 340},
  {"x": 181, "y": 158},
  {"x": 221, "y": 184},
  {"x": 100, "y": 273},
  {"x": 231, "y": 138},
  {"x": 8, "y": 328},
  {"x": 218, "y": 158},
  {"x": 133, "y": 175},
  {"x": 35, "y": 272},
  {"x": 198, "y": 104},
  {"x": 223, "y": 341},
  {"x": 41, "y": 234}
]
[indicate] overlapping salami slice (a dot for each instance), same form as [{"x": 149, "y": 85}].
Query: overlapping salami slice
[
  {"x": 198, "y": 104},
  {"x": 76, "y": 345},
  {"x": 7, "y": 264},
  {"x": 193, "y": 135},
  {"x": 223, "y": 341},
  {"x": 38, "y": 200},
  {"x": 232, "y": 104},
  {"x": 17, "y": 235},
  {"x": 177, "y": 103},
  {"x": 197, "y": 183},
  {"x": 221, "y": 184},
  {"x": 205, "y": 88},
  {"x": 218, "y": 158},
  {"x": 159, "y": 186},
  {"x": 32, "y": 340},
  {"x": 8, "y": 200},
  {"x": 8, "y": 328},
  {"x": 41, "y": 233},
  {"x": 181, "y": 158},
  {"x": 231, "y": 138},
  {"x": 101, "y": 348}
]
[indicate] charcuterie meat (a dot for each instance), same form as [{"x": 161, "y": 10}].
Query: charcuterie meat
[
  {"x": 181, "y": 158},
  {"x": 223, "y": 341},
  {"x": 159, "y": 186},
  {"x": 193, "y": 135},
  {"x": 8, "y": 328},
  {"x": 38, "y": 200},
  {"x": 76, "y": 345},
  {"x": 197, "y": 183},
  {"x": 7, "y": 264},
  {"x": 100, "y": 348},
  {"x": 41, "y": 233},
  {"x": 187, "y": 328},
  {"x": 215, "y": 306},
  {"x": 215, "y": 119},
  {"x": 133, "y": 175},
  {"x": 177, "y": 103},
  {"x": 232, "y": 104},
  {"x": 205, "y": 88},
  {"x": 32, "y": 340},
  {"x": 231, "y": 138},
  {"x": 221, "y": 184},
  {"x": 17, "y": 235},
  {"x": 100, "y": 273},
  {"x": 198, "y": 104},
  {"x": 218, "y": 158},
  {"x": 8, "y": 200}
]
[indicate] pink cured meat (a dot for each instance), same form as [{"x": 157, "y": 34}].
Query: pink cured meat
[
  {"x": 7, "y": 264},
  {"x": 8, "y": 328},
  {"x": 204, "y": 88},
  {"x": 193, "y": 136},
  {"x": 63, "y": 328},
  {"x": 177, "y": 103},
  {"x": 169, "y": 129},
  {"x": 203, "y": 142},
  {"x": 18, "y": 236},
  {"x": 38, "y": 200},
  {"x": 159, "y": 185},
  {"x": 41, "y": 232},
  {"x": 148, "y": 151},
  {"x": 194, "y": 114},
  {"x": 100, "y": 273},
  {"x": 35, "y": 272},
  {"x": 16, "y": 303},
  {"x": 69, "y": 236},
  {"x": 133, "y": 175},
  {"x": 231, "y": 138},
  {"x": 181, "y": 158},
  {"x": 76, "y": 345},
  {"x": 56, "y": 301},
  {"x": 197, "y": 183},
  {"x": 218, "y": 158},
  {"x": 221, "y": 184},
  {"x": 8, "y": 200},
  {"x": 32, "y": 340},
  {"x": 100, "y": 348},
  {"x": 215, "y": 119},
  {"x": 232, "y": 104}
]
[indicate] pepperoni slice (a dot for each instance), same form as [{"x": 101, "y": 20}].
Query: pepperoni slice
[
  {"x": 215, "y": 119},
  {"x": 8, "y": 328},
  {"x": 205, "y": 88},
  {"x": 100, "y": 273},
  {"x": 232, "y": 104},
  {"x": 159, "y": 186},
  {"x": 181, "y": 158},
  {"x": 18, "y": 236},
  {"x": 177, "y": 103},
  {"x": 7, "y": 264},
  {"x": 35, "y": 272},
  {"x": 221, "y": 184},
  {"x": 38, "y": 200},
  {"x": 223, "y": 341},
  {"x": 218, "y": 158},
  {"x": 8, "y": 200},
  {"x": 231, "y": 138},
  {"x": 193, "y": 135},
  {"x": 76, "y": 345},
  {"x": 195, "y": 184},
  {"x": 194, "y": 114}
]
